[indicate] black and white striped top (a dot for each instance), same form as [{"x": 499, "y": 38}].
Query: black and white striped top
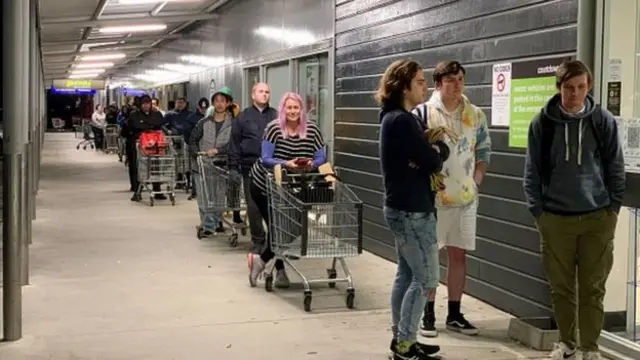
[{"x": 284, "y": 150}]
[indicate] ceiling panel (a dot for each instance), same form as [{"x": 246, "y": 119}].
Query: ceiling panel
[{"x": 50, "y": 9}]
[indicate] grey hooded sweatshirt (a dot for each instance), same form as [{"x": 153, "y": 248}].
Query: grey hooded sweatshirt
[{"x": 578, "y": 182}]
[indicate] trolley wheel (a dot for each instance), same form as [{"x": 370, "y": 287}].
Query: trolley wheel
[
  {"x": 233, "y": 240},
  {"x": 173, "y": 200},
  {"x": 351, "y": 295},
  {"x": 243, "y": 231},
  {"x": 78, "y": 147},
  {"x": 92, "y": 147},
  {"x": 332, "y": 274},
  {"x": 268, "y": 282},
  {"x": 307, "y": 301},
  {"x": 152, "y": 201},
  {"x": 200, "y": 232}
]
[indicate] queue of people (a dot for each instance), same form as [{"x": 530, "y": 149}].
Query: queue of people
[{"x": 574, "y": 180}]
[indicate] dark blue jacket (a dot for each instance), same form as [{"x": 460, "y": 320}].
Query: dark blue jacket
[
  {"x": 179, "y": 122},
  {"x": 407, "y": 161},
  {"x": 246, "y": 136}
]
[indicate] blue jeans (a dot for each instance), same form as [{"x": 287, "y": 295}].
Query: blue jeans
[
  {"x": 208, "y": 221},
  {"x": 418, "y": 268}
]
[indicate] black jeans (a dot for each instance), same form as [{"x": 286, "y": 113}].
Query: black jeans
[
  {"x": 262, "y": 203},
  {"x": 256, "y": 228},
  {"x": 98, "y": 137},
  {"x": 132, "y": 160}
]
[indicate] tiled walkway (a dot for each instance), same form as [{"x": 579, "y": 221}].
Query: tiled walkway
[{"x": 112, "y": 279}]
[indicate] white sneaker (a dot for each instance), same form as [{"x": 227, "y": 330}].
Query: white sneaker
[
  {"x": 562, "y": 352},
  {"x": 591, "y": 355},
  {"x": 282, "y": 280},
  {"x": 256, "y": 266}
]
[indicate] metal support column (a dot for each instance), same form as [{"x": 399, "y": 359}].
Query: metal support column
[
  {"x": 12, "y": 69},
  {"x": 34, "y": 61},
  {"x": 23, "y": 91},
  {"x": 586, "y": 32}
]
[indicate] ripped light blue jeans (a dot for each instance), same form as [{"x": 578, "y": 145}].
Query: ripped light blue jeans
[
  {"x": 209, "y": 221},
  {"x": 418, "y": 268}
]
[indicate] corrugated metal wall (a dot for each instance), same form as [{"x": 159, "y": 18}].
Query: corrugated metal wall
[
  {"x": 236, "y": 29},
  {"x": 505, "y": 269}
]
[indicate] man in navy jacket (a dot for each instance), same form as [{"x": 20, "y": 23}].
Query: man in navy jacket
[{"x": 245, "y": 149}]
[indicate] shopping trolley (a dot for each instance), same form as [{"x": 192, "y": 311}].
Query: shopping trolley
[
  {"x": 221, "y": 191},
  {"x": 182, "y": 161},
  {"x": 111, "y": 136},
  {"x": 87, "y": 137},
  {"x": 157, "y": 166},
  {"x": 314, "y": 216}
]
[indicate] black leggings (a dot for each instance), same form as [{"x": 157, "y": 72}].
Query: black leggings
[{"x": 262, "y": 202}]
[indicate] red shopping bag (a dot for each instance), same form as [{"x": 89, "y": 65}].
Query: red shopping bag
[{"x": 152, "y": 143}]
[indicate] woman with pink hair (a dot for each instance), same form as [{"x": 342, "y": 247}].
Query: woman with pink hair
[{"x": 297, "y": 145}]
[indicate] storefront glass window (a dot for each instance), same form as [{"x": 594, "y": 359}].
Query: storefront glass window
[{"x": 620, "y": 94}]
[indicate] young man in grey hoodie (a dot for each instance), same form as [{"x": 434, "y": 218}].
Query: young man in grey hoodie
[{"x": 574, "y": 181}]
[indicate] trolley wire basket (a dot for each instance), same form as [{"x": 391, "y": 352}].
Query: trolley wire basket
[
  {"x": 111, "y": 137},
  {"x": 182, "y": 161},
  {"x": 314, "y": 216},
  {"x": 220, "y": 191},
  {"x": 157, "y": 165}
]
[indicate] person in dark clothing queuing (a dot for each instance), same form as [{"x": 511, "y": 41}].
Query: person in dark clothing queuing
[
  {"x": 407, "y": 162},
  {"x": 203, "y": 105},
  {"x": 143, "y": 119},
  {"x": 246, "y": 148},
  {"x": 178, "y": 122}
]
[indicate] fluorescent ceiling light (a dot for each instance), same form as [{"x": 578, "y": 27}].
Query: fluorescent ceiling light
[
  {"x": 88, "y": 71},
  {"x": 207, "y": 61},
  {"x": 132, "y": 28},
  {"x": 290, "y": 37},
  {"x": 185, "y": 69},
  {"x": 83, "y": 76},
  {"x": 93, "y": 65},
  {"x": 103, "y": 57}
]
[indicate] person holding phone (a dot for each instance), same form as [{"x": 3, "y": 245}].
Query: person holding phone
[{"x": 298, "y": 146}]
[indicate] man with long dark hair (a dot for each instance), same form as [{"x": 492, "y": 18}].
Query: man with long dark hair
[{"x": 407, "y": 162}]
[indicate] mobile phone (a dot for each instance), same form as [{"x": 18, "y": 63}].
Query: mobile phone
[{"x": 303, "y": 161}]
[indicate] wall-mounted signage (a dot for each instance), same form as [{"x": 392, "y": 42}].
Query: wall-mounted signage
[
  {"x": 78, "y": 91},
  {"x": 519, "y": 91},
  {"x": 79, "y": 84}
]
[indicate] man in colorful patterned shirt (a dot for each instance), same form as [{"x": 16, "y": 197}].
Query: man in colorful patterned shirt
[{"x": 463, "y": 172}]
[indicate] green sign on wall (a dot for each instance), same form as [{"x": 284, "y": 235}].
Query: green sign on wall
[{"x": 520, "y": 90}]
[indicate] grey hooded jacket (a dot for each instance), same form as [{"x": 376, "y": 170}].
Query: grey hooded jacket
[
  {"x": 206, "y": 136},
  {"x": 579, "y": 182}
]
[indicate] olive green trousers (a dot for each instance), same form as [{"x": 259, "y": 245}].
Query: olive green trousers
[{"x": 578, "y": 248}]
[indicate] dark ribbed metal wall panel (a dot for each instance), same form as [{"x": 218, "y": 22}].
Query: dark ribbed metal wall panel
[{"x": 505, "y": 269}]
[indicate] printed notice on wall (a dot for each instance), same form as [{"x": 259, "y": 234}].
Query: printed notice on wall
[
  {"x": 532, "y": 84},
  {"x": 629, "y": 130},
  {"x": 501, "y": 94},
  {"x": 615, "y": 70}
]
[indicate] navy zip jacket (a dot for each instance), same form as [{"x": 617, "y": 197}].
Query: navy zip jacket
[
  {"x": 407, "y": 161},
  {"x": 246, "y": 136},
  {"x": 180, "y": 122}
]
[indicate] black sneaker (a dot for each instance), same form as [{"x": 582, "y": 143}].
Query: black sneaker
[
  {"x": 459, "y": 324},
  {"x": 428, "y": 326},
  {"x": 415, "y": 353},
  {"x": 427, "y": 349}
]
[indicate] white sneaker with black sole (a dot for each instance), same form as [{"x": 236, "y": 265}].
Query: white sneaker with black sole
[
  {"x": 459, "y": 324},
  {"x": 562, "y": 352},
  {"x": 428, "y": 328}
]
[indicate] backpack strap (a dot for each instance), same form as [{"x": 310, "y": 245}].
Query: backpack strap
[
  {"x": 598, "y": 127},
  {"x": 422, "y": 111},
  {"x": 547, "y": 133}
]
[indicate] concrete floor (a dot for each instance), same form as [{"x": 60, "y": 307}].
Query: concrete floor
[{"x": 115, "y": 280}]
